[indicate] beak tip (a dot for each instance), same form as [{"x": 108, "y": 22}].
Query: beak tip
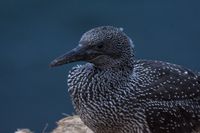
[{"x": 53, "y": 63}]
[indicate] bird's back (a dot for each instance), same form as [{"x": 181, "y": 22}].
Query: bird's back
[{"x": 171, "y": 98}]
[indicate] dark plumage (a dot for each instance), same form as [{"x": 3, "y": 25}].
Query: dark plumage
[{"x": 116, "y": 93}]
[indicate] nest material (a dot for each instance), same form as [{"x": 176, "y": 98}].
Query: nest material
[{"x": 71, "y": 124}]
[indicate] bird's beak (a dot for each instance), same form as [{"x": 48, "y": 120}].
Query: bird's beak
[{"x": 80, "y": 53}]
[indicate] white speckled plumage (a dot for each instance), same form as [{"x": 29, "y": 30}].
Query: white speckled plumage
[{"x": 116, "y": 93}]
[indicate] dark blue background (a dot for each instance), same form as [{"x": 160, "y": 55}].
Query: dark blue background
[{"x": 33, "y": 32}]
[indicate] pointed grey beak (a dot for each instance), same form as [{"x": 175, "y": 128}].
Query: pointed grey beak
[{"x": 80, "y": 53}]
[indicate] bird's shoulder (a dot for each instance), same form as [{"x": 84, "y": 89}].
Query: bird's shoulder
[{"x": 167, "y": 81}]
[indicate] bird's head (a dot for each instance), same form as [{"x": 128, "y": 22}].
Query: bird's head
[{"x": 104, "y": 46}]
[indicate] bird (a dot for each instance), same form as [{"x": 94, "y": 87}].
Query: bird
[{"x": 115, "y": 92}]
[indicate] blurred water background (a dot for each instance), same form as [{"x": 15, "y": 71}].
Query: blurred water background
[{"x": 33, "y": 32}]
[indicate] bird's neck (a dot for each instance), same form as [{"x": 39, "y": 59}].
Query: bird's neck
[
  {"x": 117, "y": 73},
  {"x": 89, "y": 83}
]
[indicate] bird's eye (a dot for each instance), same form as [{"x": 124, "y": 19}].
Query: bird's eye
[{"x": 100, "y": 46}]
